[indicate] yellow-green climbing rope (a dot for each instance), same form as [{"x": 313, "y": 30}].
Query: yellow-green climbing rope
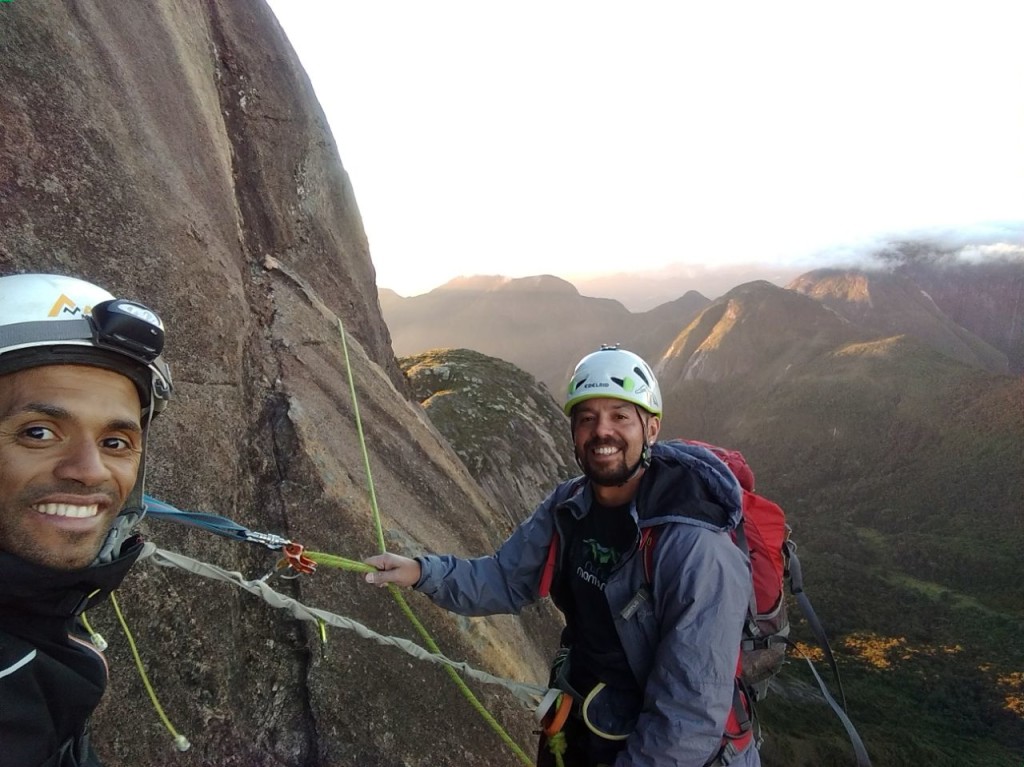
[{"x": 399, "y": 598}]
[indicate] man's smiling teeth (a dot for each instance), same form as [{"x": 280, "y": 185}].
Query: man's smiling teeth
[
  {"x": 605, "y": 450},
  {"x": 67, "y": 510}
]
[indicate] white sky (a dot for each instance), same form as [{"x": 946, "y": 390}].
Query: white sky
[{"x": 587, "y": 136}]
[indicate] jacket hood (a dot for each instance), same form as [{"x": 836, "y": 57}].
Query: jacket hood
[
  {"x": 29, "y": 588},
  {"x": 688, "y": 483}
]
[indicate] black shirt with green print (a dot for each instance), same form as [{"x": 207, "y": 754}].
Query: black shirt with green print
[{"x": 600, "y": 541}]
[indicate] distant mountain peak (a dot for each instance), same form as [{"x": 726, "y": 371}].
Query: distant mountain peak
[
  {"x": 754, "y": 287},
  {"x": 894, "y": 303},
  {"x": 851, "y": 285},
  {"x": 488, "y": 283}
]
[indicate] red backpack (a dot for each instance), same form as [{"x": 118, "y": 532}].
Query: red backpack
[{"x": 764, "y": 535}]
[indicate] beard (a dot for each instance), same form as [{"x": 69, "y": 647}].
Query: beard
[{"x": 606, "y": 475}]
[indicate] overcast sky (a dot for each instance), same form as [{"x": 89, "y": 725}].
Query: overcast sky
[{"x": 584, "y": 137}]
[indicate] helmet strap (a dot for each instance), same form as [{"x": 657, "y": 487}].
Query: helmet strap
[
  {"x": 645, "y": 452},
  {"x": 645, "y": 455},
  {"x": 134, "y": 507}
]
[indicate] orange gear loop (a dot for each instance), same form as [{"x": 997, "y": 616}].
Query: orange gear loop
[
  {"x": 296, "y": 560},
  {"x": 556, "y": 716}
]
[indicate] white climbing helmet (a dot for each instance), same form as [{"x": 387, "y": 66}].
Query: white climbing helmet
[
  {"x": 48, "y": 319},
  {"x": 615, "y": 373}
]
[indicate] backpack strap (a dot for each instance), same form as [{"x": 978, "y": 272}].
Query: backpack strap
[
  {"x": 547, "y": 575},
  {"x": 863, "y": 760},
  {"x": 739, "y": 537},
  {"x": 796, "y": 587},
  {"x": 646, "y": 548},
  {"x": 741, "y": 727}
]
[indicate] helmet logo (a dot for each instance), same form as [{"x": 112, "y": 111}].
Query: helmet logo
[{"x": 65, "y": 305}]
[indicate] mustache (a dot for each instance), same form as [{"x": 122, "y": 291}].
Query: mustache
[{"x": 596, "y": 442}]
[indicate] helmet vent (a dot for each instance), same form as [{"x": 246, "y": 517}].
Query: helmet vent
[{"x": 643, "y": 375}]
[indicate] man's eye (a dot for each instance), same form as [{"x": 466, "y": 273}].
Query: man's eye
[
  {"x": 39, "y": 433},
  {"x": 116, "y": 443}
]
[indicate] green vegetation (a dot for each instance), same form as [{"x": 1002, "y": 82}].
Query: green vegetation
[{"x": 902, "y": 474}]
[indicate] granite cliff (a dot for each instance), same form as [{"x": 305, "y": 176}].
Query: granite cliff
[{"x": 174, "y": 152}]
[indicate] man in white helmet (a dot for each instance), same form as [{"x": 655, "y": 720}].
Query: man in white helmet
[
  {"x": 651, "y": 644},
  {"x": 81, "y": 378}
]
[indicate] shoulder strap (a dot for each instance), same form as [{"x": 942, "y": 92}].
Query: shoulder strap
[
  {"x": 739, "y": 537},
  {"x": 646, "y": 547},
  {"x": 547, "y": 575},
  {"x": 796, "y": 588}
]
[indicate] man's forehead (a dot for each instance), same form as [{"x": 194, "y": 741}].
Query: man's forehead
[{"x": 34, "y": 387}]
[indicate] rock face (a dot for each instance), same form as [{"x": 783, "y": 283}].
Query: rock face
[
  {"x": 503, "y": 424},
  {"x": 986, "y": 299},
  {"x": 174, "y": 153}
]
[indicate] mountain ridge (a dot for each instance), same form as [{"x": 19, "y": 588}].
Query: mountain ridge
[{"x": 415, "y": 322}]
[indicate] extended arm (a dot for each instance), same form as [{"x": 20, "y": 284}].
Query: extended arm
[{"x": 503, "y": 582}]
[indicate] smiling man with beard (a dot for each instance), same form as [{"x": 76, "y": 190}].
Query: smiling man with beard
[
  {"x": 649, "y": 656},
  {"x": 81, "y": 378}
]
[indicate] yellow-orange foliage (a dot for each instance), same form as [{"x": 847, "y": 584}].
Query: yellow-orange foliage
[
  {"x": 881, "y": 652},
  {"x": 1015, "y": 697},
  {"x": 813, "y": 652}
]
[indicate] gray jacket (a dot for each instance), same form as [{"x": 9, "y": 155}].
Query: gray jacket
[{"x": 681, "y": 633}]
